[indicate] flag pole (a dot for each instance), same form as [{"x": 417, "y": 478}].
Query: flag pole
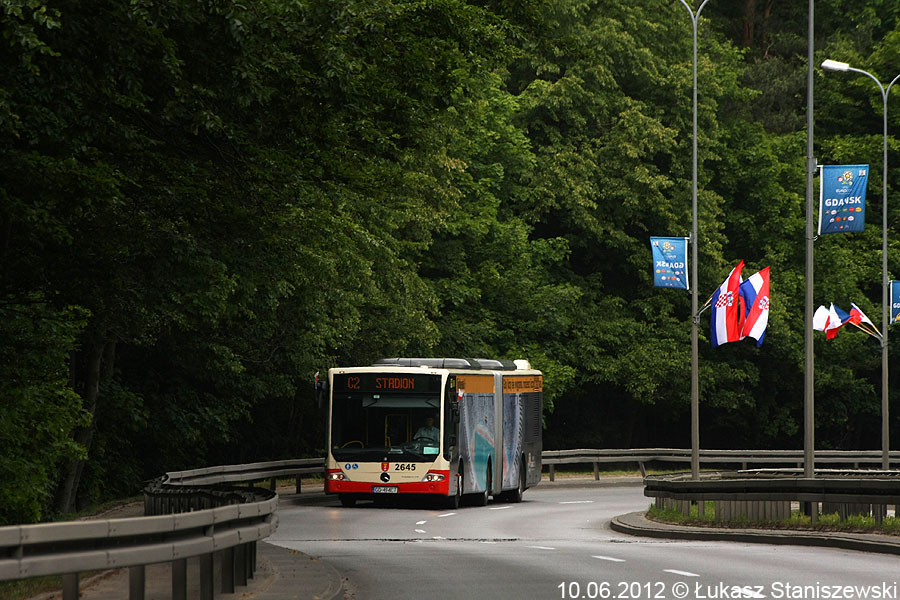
[{"x": 809, "y": 425}]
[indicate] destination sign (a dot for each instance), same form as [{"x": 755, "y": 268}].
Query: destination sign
[{"x": 387, "y": 383}]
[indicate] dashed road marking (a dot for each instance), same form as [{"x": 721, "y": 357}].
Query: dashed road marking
[
  {"x": 609, "y": 558},
  {"x": 542, "y": 547},
  {"x": 682, "y": 573}
]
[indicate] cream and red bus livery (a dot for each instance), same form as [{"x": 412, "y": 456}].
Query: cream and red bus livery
[{"x": 484, "y": 437}]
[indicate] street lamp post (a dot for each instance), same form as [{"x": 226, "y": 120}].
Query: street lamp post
[
  {"x": 833, "y": 65},
  {"x": 695, "y": 318}
]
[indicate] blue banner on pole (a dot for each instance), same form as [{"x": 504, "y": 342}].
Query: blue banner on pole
[
  {"x": 895, "y": 301},
  {"x": 842, "y": 198},
  {"x": 669, "y": 262}
]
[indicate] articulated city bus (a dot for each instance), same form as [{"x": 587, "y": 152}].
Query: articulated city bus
[{"x": 445, "y": 427}]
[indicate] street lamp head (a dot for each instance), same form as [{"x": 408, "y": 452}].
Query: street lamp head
[{"x": 833, "y": 65}]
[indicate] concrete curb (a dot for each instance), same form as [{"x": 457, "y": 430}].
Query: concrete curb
[{"x": 638, "y": 525}]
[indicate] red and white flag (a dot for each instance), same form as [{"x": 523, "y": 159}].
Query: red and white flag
[
  {"x": 829, "y": 320},
  {"x": 755, "y": 293},
  {"x": 727, "y": 318}
]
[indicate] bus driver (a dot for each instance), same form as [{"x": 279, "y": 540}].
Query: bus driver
[{"x": 428, "y": 432}]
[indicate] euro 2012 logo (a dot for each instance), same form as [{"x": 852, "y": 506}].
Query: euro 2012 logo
[
  {"x": 668, "y": 246},
  {"x": 846, "y": 178}
]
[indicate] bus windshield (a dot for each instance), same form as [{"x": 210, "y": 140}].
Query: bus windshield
[{"x": 385, "y": 417}]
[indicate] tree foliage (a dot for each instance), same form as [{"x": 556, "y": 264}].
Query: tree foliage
[{"x": 203, "y": 204}]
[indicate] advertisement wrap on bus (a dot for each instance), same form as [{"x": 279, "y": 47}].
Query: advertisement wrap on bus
[{"x": 458, "y": 429}]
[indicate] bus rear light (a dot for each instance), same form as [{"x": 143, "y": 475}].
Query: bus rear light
[{"x": 434, "y": 477}]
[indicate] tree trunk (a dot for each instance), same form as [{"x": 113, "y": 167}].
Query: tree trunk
[
  {"x": 749, "y": 23},
  {"x": 767, "y": 16},
  {"x": 99, "y": 367}
]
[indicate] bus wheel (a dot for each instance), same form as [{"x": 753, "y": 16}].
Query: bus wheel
[
  {"x": 482, "y": 499},
  {"x": 453, "y": 503},
  {"x": 347, "y": 500},
  {"x": 516, "y": 494}
]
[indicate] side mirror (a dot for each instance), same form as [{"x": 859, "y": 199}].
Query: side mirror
[{"x": 321, "y": 390}]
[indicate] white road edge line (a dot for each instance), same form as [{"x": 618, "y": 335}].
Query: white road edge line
[
  {"x": 499, "y": 507},
  {"x": 578, "y": 502},
  {"x": 542, "y": 547},
  {"x": 446, "y": 515},
  {"x": 609, "y": 558},
  {"x": 682, "y": 573}
]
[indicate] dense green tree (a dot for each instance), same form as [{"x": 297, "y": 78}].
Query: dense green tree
[{"x": 203, "y": 204}]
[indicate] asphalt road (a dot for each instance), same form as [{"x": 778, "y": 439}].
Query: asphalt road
[{"x": 557, "y": 544}]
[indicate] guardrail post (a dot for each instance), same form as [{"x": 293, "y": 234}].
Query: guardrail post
[
  {"x": 552, "y": 472},
  {"x": 207, "y": 582},
  {"x": 179, "y": 579},
  {"x": 228, "y": 569},
  {"x": 299, "y": 478},
  {"x": 239, "y": 564},
  {"x": 136, "y": 577},
  {"x": 596, "y": 471},
  {"x": 273, "y": 483},
  {"x": 70, "y": 586}
]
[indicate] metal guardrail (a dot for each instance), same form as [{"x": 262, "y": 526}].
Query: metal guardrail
[
  {"x": 744, "y": 458},
  {"x": 767, "y": 494},
  {"x": 189, "y": 514},
  {"x": 249, "y": 472}
]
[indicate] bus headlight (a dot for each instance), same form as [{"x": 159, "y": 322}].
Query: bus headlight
[
  {"x": 431, "y": 477},
  {"x": 337, "y": 476}
]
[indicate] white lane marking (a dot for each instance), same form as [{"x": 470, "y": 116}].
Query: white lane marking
[
  {"x": 420, "y": 531},
  {"x": 499, "y": 507},
  {"x": 682, "y": 573},
  {"x": 542, "y": 547},
  {"x": 609, "y": 558},
  {"x": 446, "y": 515},
  {"x": 578, "y": 502},
  {"x": 488, "y": 542},
  {"x": 437, "y": 537},
  {"x": 421, "y": 522}
]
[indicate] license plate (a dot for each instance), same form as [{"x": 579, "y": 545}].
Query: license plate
[{"x": 381, "y": 489}]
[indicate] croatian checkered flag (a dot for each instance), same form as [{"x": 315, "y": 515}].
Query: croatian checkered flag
[
  {"x": 755, "y": 292},
  {"x": 727, "y": 318}
]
